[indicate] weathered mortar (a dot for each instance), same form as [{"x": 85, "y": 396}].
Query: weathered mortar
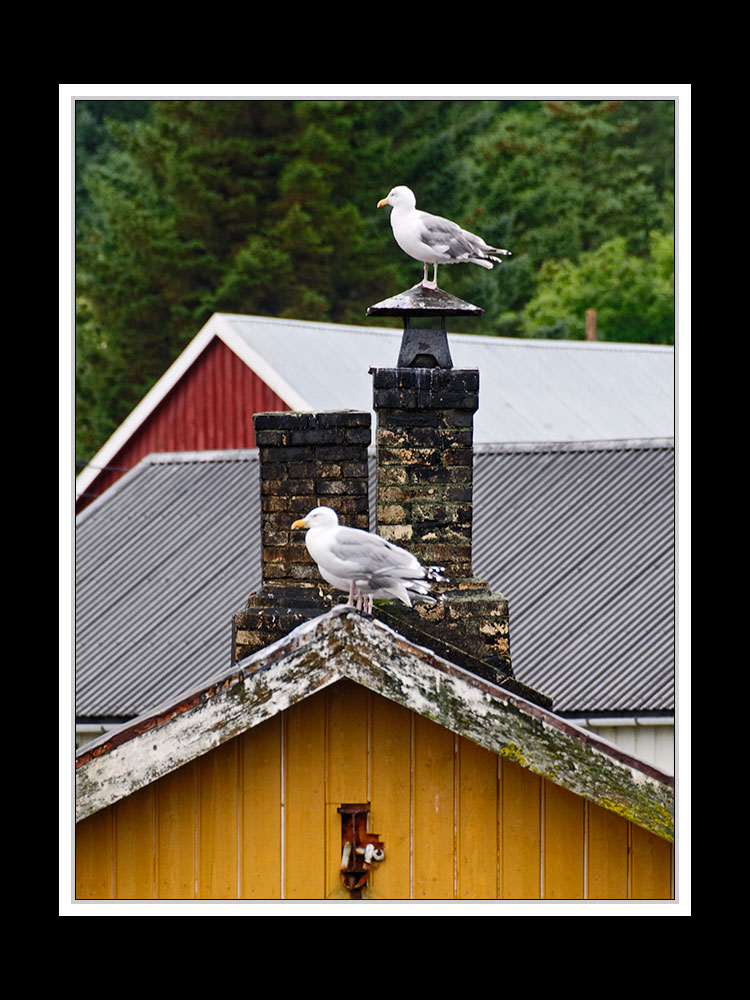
[
  {"x": 425, "y": 462},
  {"x": 306, "y": 460},
  {"x": 424, "y": 502}
]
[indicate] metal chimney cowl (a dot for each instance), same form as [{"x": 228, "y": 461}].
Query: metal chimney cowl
[{"x": 424, "y": 347}]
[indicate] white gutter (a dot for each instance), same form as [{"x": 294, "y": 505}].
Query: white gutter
[{"x": 620, "y": 720}]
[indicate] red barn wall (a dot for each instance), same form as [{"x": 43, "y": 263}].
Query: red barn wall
[{"x": 211, "y": 407}]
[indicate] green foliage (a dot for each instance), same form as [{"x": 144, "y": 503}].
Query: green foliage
[
  {"x": 99, "y": 383},
  {"x": 557, "y": 180},
  {"x": 185, "y": 208},
  {"x": 633, "y": 296}
]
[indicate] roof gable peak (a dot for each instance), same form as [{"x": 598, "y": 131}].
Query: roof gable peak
[{"x": 342, "y": 644}]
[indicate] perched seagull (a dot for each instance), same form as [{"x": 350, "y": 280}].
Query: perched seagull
[
  {"x": 434, "y": 240},
  {"x": 363, "y": 564}
]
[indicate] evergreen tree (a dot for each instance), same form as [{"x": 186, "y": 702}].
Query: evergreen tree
[
  {"x": 244, "y": 206},
  {"x": 185, "y": 208},
  {"x": 559, "y": 179}
]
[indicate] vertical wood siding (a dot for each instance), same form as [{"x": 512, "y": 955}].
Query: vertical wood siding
[
  {"x": 257, "y": 819},
  {"x": 211, "y": 407}
]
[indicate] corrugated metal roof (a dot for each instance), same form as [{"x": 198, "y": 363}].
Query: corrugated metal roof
[
  {"x": 530, "y": 390},
  {"x": 163, "y": 559},
  {"x": 579, "y": 538}
]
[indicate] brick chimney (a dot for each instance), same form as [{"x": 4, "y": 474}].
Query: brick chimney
[
  {"x": 306, "y": 460},
  {"x": 425, "y": 462},
  {"x": 425, "y": 428},
  {"x": 425, "y": 413}
]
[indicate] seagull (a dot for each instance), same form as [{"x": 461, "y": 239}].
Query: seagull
[
  {"x": 434, "y": 240},
  {"x": 364, "y": 564}
]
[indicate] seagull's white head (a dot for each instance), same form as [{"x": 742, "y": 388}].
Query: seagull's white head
[
  {"x": 399, "y": 197},
  {"x": 319, "y": 517}
]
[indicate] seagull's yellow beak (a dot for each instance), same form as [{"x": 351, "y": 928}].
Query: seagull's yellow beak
[
  {"x": 383, "y": 201},
  {"x": 302, "y": 523}
]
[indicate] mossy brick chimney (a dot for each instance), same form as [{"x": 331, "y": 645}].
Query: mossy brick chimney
[
  {"x": 306, "y": 460},
  {"x": 425, "y": 462},
  {"x": 425, "y": 429}
]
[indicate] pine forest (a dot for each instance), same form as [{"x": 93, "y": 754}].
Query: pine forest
[{"x": 184, "y": 208}]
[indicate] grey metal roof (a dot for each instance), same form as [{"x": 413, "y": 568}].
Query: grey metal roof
[
  {"x": 581, "y": 540},
  {"x": 163, "y": 559},
  {"x": 530, "y": 390},
  {"x": 578, "y": 537}
]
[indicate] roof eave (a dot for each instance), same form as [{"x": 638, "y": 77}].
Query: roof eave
[
  {"x": 217, "y": 326},
  {"x": 344, "y": 645}
]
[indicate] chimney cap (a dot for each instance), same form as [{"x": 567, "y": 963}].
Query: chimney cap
[{"x": 424, "y": 302}]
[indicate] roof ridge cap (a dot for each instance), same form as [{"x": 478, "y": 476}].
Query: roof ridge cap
[{"x": 593, "y": 444}]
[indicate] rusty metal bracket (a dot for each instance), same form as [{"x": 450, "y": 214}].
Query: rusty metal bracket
[{"x": 359, "y": 849}]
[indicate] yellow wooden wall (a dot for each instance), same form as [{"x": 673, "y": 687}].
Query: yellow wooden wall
[{"x": 257, "y": 819}]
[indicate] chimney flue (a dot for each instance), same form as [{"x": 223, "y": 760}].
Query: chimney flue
[{"x": 306, "y": 460}]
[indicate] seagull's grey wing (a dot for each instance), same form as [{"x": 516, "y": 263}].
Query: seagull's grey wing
[
  {"x": 446, "y": 236},
  {"x": 449, "y": 238},
  {"x": 370, "y": 551},
  {"x": 457, "y": 243}
]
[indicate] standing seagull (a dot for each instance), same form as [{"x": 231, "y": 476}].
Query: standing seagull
[
  {"x": 434, "y": 240},
  {"x": 365, "y": 565}
]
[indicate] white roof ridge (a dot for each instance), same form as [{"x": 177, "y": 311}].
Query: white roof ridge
[
  {"x": 227, "y": 328},
  {"x": 526, "y": 342},
  {"x": 213, "y": 455},
  {"x": 595, "y": 444}
]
